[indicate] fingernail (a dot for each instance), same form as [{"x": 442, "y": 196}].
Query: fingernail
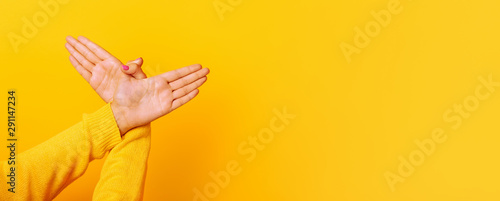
[
  {"x": 139, "y": 58},
  {"x": 125, "y": 67}
]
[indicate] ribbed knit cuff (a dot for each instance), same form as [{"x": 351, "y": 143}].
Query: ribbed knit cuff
[{"x": 102, "y": 131}]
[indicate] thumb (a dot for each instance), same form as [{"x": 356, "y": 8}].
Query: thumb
[{"x": 134, "y": 69}]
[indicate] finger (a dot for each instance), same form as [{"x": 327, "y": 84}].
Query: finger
[
  {"x": 96, "y": 49},
  {"x": 83, "y": 72},
  {"x": 189, "y": 78},
  {"x": 84, "y": 62},
  {"x": 183, "y": 100},
  {"x": 134, "y": 69},
  {"x": 89, "y": 55},
  {"x": 181, "y": 72},
  {"x": 188, "y": 88}
]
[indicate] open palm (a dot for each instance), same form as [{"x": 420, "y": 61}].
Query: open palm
[
  {"x": 96, "y": 65},
  {"x": 137, "y": 100}
]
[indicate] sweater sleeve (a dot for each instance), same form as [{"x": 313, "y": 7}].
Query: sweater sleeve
[
  {"x": 45, "y": 170},
  {"x": 124, "y": 173}
]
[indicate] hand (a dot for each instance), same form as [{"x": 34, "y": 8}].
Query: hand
[
  {"x": 98, "y": 67},
  {"x": 135, "y": 99}
]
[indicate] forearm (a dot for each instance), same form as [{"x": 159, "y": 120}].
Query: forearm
[
  {"x": 124, "y": 172},
  {"x": 45, "y": 170}
]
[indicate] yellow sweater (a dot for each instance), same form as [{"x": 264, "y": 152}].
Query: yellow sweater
[{"x": 44, "y": 171}]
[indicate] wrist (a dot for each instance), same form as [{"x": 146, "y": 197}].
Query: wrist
[{"x": 120, "y": 118}]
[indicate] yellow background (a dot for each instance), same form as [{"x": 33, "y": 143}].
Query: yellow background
[{"x": 353, "y": 120}]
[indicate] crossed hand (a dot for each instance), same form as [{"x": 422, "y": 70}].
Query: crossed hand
[{"x": 135, "y": 99}]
